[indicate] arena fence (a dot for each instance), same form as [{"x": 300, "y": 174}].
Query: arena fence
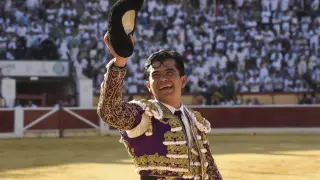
[{"x": 74, "y": 121}]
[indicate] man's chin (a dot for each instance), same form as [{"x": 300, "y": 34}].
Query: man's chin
[
  {"x": 167, "y": 92},
  {"x": 165, "y": 95}
]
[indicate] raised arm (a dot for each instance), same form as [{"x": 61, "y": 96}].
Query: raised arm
[{"x": 111, "y": 109}]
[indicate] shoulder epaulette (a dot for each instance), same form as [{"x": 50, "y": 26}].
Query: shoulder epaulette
[
  {"x": 150, "y": 107},
  {"x": 202, "y": 123}
]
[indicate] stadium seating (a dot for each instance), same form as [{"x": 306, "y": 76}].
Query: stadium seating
[{"x": 230, "y": 46}]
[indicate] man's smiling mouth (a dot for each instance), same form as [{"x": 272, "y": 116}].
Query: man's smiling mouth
[{"x": 166, "y": 87}]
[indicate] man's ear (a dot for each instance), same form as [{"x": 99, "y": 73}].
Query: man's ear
[
  {"x": 148, "y": 86},
  {"x": 184, "y": 80}
]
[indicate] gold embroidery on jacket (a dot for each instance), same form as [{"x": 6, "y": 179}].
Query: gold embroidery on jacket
[
  {"x": 156, "y": 160},
  {"x": 178, "y": 149},
  {"x": 174, "y": 136},
  {"x": 111, "y": 109}
]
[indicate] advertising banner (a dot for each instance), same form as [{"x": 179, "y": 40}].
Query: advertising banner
[{"x": 34, "y": 68}]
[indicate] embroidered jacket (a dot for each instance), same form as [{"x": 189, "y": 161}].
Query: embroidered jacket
[{"x": 154, "y": 137}]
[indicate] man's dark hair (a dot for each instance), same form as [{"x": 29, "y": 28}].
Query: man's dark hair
[{"x": 164, "y": 55}]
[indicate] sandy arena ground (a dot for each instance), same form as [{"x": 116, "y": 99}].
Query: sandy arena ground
[{"x": 239, "y": 157}]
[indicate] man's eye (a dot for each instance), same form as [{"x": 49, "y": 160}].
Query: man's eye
[
  {"x": 156, "y": 75},
  {"x": 170, "y": 73}
]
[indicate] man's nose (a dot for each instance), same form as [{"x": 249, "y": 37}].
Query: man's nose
[{"x": 163, "y": 78}]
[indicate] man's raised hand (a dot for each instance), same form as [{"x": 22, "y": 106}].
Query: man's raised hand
[{"x": 119, "y": 61}]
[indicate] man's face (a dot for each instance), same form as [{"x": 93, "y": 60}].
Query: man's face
[{"x": 164, "y": 81}]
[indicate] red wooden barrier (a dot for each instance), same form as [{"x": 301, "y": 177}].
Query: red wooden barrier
[
  {"x": 220, "y": 117},
  {"x": 6, "y": 121},
  {"x": 243, "y": 117}
]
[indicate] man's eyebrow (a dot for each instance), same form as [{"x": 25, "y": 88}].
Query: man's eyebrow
[
  {"x": 168, "y": 69},
  {"x": 154, "y": 72}
]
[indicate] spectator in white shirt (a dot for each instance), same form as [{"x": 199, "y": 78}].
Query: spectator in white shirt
[
  {"x": 244, "y": 88},
  {"x": 302, "y": 65},
  {"x": 104, "y": 5},
  {"x": 284, "y": 5},
  {"x": 312, "y": 62},
  {"x": 266, "y": 5},
  {"x": 316, "y": 78},
  {"x": 278, "y": 83},
  {"x": 231, "y": 55},
  {"x": 268, "y": 35},
  {"x": 314, "y": 40},
  {"x": 276, "y": 21},
  {"x": 222, "y": 62},
  {"x": 239, "y": 3},
  {"x": 268, "y": 84},
  {"x": 290, "y": 59},
  {"x": 264, "y": 72},
  {"x": 31, "y": 104},
  {"x": 21, "y": 30},
  {"x": 265, "y": 17},
  {"x": 254, "y": 83},
  {"x": 242, "y": 56},
  {"x": 193, "y": 81},
  {"x": 32, "y": 4},
  {"x": 274, "y": 5},
  {"x": 299, "y": 87},
  {"x": 288, "y": 84},
  {"x": 315, "y": 4}
]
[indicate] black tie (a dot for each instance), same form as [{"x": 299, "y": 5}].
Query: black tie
[{"x": 178, "y": 114}]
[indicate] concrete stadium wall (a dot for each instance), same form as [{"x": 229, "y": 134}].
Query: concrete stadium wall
[{"x": 51, "y": 122}]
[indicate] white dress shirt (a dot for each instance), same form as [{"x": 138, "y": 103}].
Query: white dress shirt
[{"x": 184, "y": 119}]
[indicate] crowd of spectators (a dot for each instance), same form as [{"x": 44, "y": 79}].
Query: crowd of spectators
[{"x": 230, "y": 46}]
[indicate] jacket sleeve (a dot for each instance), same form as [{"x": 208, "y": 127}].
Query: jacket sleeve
[{"x": 111, "y": 109}]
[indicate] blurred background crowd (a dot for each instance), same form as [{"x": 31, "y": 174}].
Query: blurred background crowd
[{"x": 230, "y": 45}]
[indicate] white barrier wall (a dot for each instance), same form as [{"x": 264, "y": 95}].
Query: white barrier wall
[
  {"x": 8, "y": 91},
  {"x": 18, "y": 122},
  {"x": 85, "y": 89}
]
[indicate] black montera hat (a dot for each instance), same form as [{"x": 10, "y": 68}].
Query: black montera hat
[{"x": 122, "y": 23}]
